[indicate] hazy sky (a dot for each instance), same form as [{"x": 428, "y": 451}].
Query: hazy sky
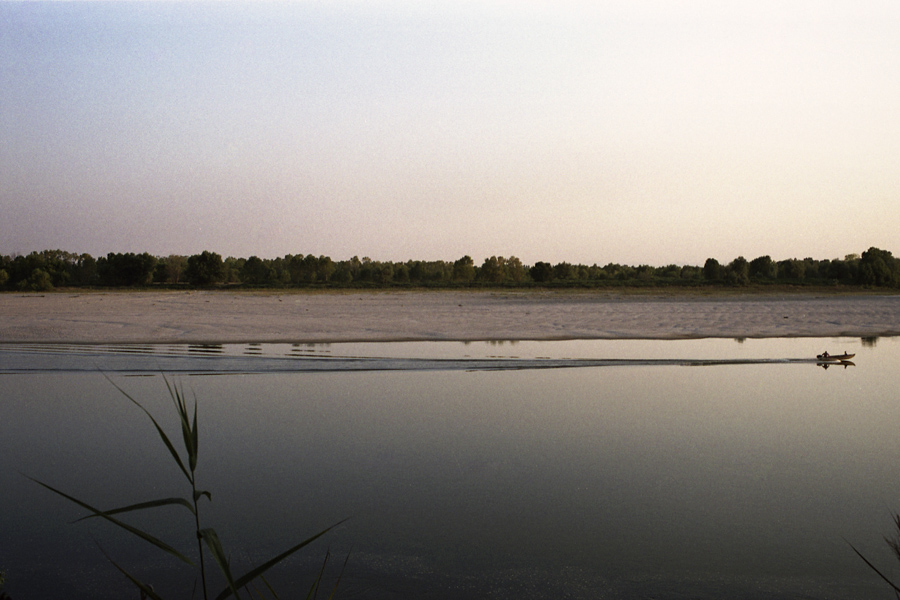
[{"x": 630, "y": 131}]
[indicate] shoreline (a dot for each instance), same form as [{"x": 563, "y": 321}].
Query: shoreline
[{"x": 300, "y": 316}]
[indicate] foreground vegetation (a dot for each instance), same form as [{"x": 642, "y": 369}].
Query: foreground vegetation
[
  {"x": 206, "y": 536},
  {"x": 49, "y": 269}
]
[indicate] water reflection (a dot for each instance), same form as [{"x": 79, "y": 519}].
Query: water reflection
[
  {"x": 129, "y": 348},
  {"x": 839, "y": 363},
  {"x": 309, "y": 349},
  {"x": 204, "y": 349}
]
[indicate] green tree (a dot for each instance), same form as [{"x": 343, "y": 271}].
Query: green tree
[
  {"x": 205, "y": 268},
  {"x": 840, "y": 271},
  {"x": 127, "y": 269},
  {"x": 515, "y": 270},
  {"x": 325, "y": 268},
  {"x": 738, "y": 271},
  {"x": 38, "y": 281},
  {"x": 231, "y": 269},
  {"x": 689, "y": 272},
  {"x": 84, "y": 270},
  {"x": 305, "y": 270},
  {"x": 563, "y": 271},
  {"x": 175, "y": 266},
  {"x": 763, "y": 267},
  {"x": 712, "y": 270},
  {"x": 541, "y": 272},
  {"x": 256, "y": 272},
  {"x": 464, "y": 269},
  {"x": 354, "y": 265},
  {"x": 421, "y": 271},
  {"x": 792, "y": 269},
  {"x": 597, "y": 273},
  {"x": 343, "y": 272},
  {"x": 669, "y": 272},
  {"x": 418, "y": 271},
  {"x": 401, "y": 273},
  {"x": 645, "y": 272},
  {"x": 384, "y": 272},
  {"x": 365, "y": 270},
  {"x": 879, "y": 267},
  {"x": 492, "y": 270}
]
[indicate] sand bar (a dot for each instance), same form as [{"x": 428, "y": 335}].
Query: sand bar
[{"x": 237, "y": 317}]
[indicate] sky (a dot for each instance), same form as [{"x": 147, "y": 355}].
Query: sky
[{"x": 640, "y": 132}]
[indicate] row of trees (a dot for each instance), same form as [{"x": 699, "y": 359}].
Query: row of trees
[{"x": 55, "y": 268}]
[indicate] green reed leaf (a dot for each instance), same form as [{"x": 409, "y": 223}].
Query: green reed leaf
[
  {"x": 188, "y": 429},
  {"x": 146, "y": 589},
  {"x": 340, "y": 576},
  {"x": 269, "y": 586},
  {"x": 253, "y": 574},
  {"x": 215, "y": 547},
  {"x": 258, "y": 594},
  {"x": 162, "y": 434},
  {"x": 200, "y": 493},
  {"x": 134, "y": 530},
  {"x": 874, "y": 568},
  {"x": 195, "y": 440},
  {"x": 146, "y": 505},
  {"x": 314, "y": 588}
]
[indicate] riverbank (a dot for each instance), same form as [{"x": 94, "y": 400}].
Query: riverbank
[{"x": 234, "y": 317}]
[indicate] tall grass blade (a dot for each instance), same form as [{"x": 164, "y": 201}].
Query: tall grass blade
[
  {"x": 340, "y": 576},
  {"x": 146, "y": 505},
  {"x": 258, "y": 594},
  {"x": 314, "y": 588},
  {"x": 172, "y": 451},
  {"x": 195, "y": 440},
  {"x": 162, "y": 434},
  {"x": 311, "y": 594},
  {"x": 186, "y": 428},
  {"x": 134, "y": 530},
  {"x": 215, "y": 547},
  {"x": 186, "y": 433},
  {"x": 253, "y": 574},
  {"x": 270, "y": 588},
  {"x": 874, "y": 568},
  {"x": 146, "y": 590}
]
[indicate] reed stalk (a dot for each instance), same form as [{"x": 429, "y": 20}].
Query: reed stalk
[{"x": 206, "y": 536}]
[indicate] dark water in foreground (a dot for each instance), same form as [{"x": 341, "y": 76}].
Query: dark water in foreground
[{"x": 695, "y": 469}]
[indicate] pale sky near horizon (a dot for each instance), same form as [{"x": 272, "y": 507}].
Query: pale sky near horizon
[{"x": 639, "y": 132}]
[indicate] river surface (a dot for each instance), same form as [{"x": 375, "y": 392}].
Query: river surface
[{"x": 576, "y": 469}]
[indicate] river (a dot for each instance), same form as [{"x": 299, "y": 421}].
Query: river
[{"x": 571, "y": 469}]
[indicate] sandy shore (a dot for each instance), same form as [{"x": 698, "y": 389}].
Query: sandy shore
[{"x": 222, "y": 317}]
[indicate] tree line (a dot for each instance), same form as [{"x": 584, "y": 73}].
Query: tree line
[{"x": 49, "y": 269}]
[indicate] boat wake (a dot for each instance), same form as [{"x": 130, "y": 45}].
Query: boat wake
[{"x": 253, "y": 358}]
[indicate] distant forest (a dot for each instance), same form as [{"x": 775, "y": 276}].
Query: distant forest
[{"x": 49, "y": 269}]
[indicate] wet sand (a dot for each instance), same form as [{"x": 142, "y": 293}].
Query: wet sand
[{"x": 233, "y": 317}]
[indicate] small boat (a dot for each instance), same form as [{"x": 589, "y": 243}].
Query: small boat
[{"x": 834, "y": 357}]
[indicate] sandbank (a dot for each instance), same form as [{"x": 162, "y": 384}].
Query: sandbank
[{"x": 243, "y": 316}]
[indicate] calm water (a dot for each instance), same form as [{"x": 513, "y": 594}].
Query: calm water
[{"x": 619, "y": 469}]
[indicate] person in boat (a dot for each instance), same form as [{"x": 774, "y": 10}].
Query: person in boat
[{"x": 825, "y": 354}]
